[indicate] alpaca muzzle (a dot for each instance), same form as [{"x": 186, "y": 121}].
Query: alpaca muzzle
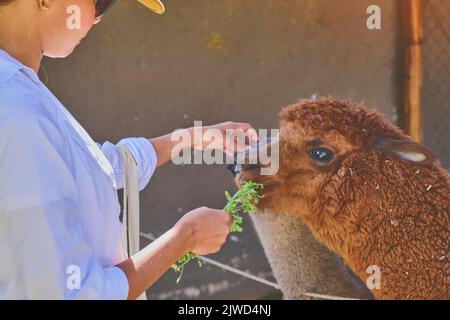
[{"x": 250, "y": 159}]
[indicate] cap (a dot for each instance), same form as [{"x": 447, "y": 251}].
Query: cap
[{"x": 154, "y": 5}]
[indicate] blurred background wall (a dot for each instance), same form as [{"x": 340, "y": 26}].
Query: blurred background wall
[
  {"x": 140, "y": 74},
  {"x": 436, "y": 77}
]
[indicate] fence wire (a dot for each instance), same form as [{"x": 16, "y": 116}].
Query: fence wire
[
  {"x": 249, "y": 276},
  {"x": 436, "y": 86}
]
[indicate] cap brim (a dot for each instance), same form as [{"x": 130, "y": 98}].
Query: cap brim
[{"x": 154, "y": 5}]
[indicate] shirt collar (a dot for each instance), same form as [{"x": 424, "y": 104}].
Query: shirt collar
[{"x": 9, "y": 66}]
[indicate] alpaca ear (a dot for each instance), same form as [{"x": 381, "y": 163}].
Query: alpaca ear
[{"x": 405, "y": 149}]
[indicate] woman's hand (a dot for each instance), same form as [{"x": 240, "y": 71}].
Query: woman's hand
[
  {"x": 235, "y": 137},
  {"x": 207, "y": 229},
  {"x": 201, "y": 138},
  {"x": 202, "y": 231}
]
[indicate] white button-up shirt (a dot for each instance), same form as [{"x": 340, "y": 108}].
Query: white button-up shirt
[{"x": 59, "y": 211}]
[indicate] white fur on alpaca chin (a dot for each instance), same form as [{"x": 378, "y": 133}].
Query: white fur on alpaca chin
[{"x": 300, "y": 263}]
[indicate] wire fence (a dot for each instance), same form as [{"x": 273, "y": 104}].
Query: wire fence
[
  {"x": 249, "y": 276},
  {"x": 436, "y": 85}
]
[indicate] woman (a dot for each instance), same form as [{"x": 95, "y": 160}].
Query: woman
[{"x": 59, "y": 210}]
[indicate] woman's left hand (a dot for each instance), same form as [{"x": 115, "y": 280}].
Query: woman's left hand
[
  {"x": 235, "y": 137},
  {"x": 229, "y": 137}
]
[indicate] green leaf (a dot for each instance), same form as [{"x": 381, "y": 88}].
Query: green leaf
[{"x": 244, "y": 200}]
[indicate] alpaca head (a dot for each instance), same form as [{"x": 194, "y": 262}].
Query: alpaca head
[{"x": 320, "y": 143}]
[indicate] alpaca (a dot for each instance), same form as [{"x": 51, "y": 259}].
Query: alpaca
[
  {"x": 300, "y": 263},
  {"x": 367, "y": 192}
]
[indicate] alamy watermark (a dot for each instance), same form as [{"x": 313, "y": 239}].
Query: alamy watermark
[
  {"x": 374, "y": 19},
  {"x": 213, "y": 146},
  {"x": 374, "y": 280},
  {"x": 73, "y": 281},
  {"x": 73, "y": 21}
]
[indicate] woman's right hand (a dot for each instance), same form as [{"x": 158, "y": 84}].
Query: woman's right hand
[{"x": 207, "y": 228}]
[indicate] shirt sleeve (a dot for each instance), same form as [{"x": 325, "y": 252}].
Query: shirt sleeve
[
  {"x": 144, "y": 154},
  {"x": 40, "y": 221}
]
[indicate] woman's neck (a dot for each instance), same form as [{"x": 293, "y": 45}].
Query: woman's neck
[{"x": 19, "y": 37}]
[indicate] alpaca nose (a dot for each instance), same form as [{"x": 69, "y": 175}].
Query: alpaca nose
[
  {"x": 250, "y": 156},
  {"x": 233, "y": 168},
  {"x": 236, "y": 167}
]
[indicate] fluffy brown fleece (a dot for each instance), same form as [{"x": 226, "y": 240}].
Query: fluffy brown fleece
[{"x": 382, "y": 200}]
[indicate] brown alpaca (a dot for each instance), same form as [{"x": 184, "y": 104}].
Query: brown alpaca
[{"x": 367, "y": 191}]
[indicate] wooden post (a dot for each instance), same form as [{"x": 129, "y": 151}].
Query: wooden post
[{"x": 413, "y": 30}]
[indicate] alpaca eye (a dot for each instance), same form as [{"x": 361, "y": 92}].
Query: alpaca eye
[{"x": 321, "y": 155}]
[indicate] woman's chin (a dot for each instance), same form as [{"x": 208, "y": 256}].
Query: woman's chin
[{"x": 61, "y": 53}]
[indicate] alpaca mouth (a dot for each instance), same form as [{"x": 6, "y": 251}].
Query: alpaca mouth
[
  {"x": 238, "y": 169},
  {"x": 246, "y": 172},
  {"x": 249, "y": 161},
  {"x": 235, "y": 169}
]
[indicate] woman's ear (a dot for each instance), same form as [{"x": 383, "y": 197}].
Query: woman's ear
[
  {"x": 44, "y": 4},
  {"x": 405, "y": 149}
]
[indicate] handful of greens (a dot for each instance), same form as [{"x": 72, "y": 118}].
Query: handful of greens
[{"x": 243, "y": 201}]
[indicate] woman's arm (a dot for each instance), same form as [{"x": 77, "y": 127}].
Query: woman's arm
[
  {"x": 165, "y": 144},
  {"x": 202, "y": 231},
  {"x": 148, "y": 265}
]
